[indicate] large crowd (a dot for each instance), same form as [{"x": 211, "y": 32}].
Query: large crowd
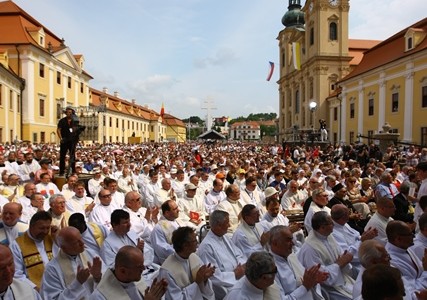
[{"x": 213, "y": 220}]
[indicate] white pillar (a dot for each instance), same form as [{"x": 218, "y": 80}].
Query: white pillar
[
  {"x": 381, "y": 101},
  {"x": 360, "y": 103},
  {"x": 29, "y": 98},
  {"x": 343, "y": 117},
  {"x": 409, "y": 99}
]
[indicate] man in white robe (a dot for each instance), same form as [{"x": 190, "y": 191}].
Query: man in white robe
[
  {"x": 125, "y": 281},
  {"x": 215, "y": 196},
  {"x": 380, "y": 219},
  {"x": 93, "y": 234},
  {"x": 46, "y": 188},
  {"x": 233, "y": 204},
  {"x": 346, "y": 237},
  {"x": 321, "y": 248},
  {"x": 161, "y": 236},
  {"x": 420, "y": 241},
  {"x": 165, "y": 193},
  {"x": 101, "y": 213},
  {"x": 80, "y": 202},
  {"x": 120, "y": 236},
  {"x": 258, "y": 282},
  {"x": 142, "y": 219},
  {"x": 151, "y": 189},
  {"x": 10, "y": 287},
  {"x": 250, "y": 235},
  {"x": 251, "y": 194},
  {"x": 192, "y": 207},
  {"x": 95, "y": 184},
  {"x": 10, "y": 226},
  {"x": 294, "y": 282},
  {"x": 400, "y": 238},
  {"x": 36, "y": 204},
  {"x": 218, "y": 250},
  {"x": 72, "y": 274},
  {"x": 117, "y": 198},
  {"x": 188, "y": 278},
  {"x": 320, "y": 200},
  {"x": 293, "y": 199},
  {"x": 178, "y": 184}
]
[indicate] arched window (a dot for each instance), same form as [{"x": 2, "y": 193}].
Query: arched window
[{"x": 333, "y": 31}]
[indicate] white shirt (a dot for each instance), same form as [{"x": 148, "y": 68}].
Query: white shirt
[{"x": 380, "y": 223}]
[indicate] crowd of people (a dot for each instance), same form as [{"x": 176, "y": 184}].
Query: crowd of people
[{"x": 225, "y": 220}]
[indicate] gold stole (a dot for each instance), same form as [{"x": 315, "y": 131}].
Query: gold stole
[
  {"x": 110, "y": 287},
  {"x": 167, "y": 228},
  {"x": 97, "y": 233},
  {"x": 174, "y": 266},
  {"x": 32, "y": 259}
]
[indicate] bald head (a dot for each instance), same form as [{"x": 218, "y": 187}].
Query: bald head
[
  {"x": 339, "y": 212},
  {"x": 7, "y": 268},
  {"x": 11, "y": 213},
  {"x": 70, "y": 240}
]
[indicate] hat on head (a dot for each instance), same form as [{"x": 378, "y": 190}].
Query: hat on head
[
  {"x": 190, "y": 186},
  {"x": 220, "y": 176},
  {"x": 45, "y": 161},
  {"x": 337, "y": 187},
  {"x": 70, "y": 108},
  {"x": 214, "y": 166},
  {"x": 173, "y": 170},
  {"x": 96, "y": 170},
  {"x": 270, "y": 191},
  {"x": 241, "y": 171}
]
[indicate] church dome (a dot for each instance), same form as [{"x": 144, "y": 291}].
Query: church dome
[{"x": 294, "y": 17}]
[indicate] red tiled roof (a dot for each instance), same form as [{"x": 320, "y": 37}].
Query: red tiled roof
[
  {"x": 356, "y": 48},
  {"x": 389, "y": 50}
]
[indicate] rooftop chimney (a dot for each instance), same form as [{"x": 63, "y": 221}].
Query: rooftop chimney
[{"x": 105, "y": 90}]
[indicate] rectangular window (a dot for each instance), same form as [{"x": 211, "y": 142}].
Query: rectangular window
[
  {"x": 371, "y": 107},
  {"x": 133, "y": 124},
  {"x": 11, "y": 135},
  {"x": 81, "y": 87},
  {"x": 58, "y": 77},
  {"x": 41, "y": 107},
  {"x": 34, "y": 137},
  {"x": 351, "y": 110},
  {"x": 1, "y": 134},
  {"x": 42, "y": 137},
  {"x": 395, "y": 102},
  {"x": 10, "y": 99},
  {"x": 370, "y": 135},
  {"x": 311, "y": 36},
  {"x": 69, "y": 82},
  {"x": 111, "y": 121},
  {"x": 41, "y": 70},
  {"x": 335, "y": 113},
  {"x": 103, "y": 120},
  {"x": 423, "y": 135},
  {"x": 335, "y": 137},
  {"x": 18, "y": 103},
  {"x": 1, "y": 94},
  {"x": 58, "y": 111},
  {"x": 424, "y": 95},
  {"x": 117, "y": 123}
]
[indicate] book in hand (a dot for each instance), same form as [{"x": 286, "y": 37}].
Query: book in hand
[{"x": 194, "y": 215}]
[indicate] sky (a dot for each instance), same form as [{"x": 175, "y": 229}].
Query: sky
[{"x": 193, "y": 55}]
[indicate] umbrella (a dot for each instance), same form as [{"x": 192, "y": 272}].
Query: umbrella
[{"x": 118, "y": 151}]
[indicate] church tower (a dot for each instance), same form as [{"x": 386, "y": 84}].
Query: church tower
[{"x": 313, "y": 57}]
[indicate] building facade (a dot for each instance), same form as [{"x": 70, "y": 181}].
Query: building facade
[
  {"x": 245, "y": 131},
  {"x": 315, "y": 53}
]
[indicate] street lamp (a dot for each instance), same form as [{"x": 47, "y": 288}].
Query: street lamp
[{"x": 312, "y": 106}]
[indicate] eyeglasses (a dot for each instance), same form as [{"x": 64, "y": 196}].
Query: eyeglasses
[{"x": 105, "y": 196}]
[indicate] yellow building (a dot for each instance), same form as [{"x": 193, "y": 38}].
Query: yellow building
[
  {"x": 176, "y": 130},
  {"x": 315, "y": 53},
  {"x": 10, "y": 101},
  {"x": 54, "y": 76},
  {"x": 388, "y": 86}
]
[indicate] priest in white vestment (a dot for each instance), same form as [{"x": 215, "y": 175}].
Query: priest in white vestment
[
  {"x": 218, "y": 250},
  {"x": 233, "y": 204},
  {"x": 188, "y": 278},
  {"x": 380, "y": 219},
  {"x": 215, "y": 195},
  {"x": 80, "y": 202},
  {"x": 294, "y": 281},
  {"x": 320, "y": 200},
  {"x": 10, "y": 226},
  {"x": 101, "y": 213},
  {"x": 73, "y": 273},
  {"x": 321, "y": 248}
]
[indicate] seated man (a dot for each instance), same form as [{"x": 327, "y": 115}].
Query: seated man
[
  {"x": 215, "y": 196},
  {"x": 382, "y": 282},
  {"x": 249, "y": 235},
  {"x": 101, "y": 213},
  {"x": 294, "y": 282},
  {"x": 80, "y": 202},
  {"x": 36, "y": 204},
  {"x": 10, "y": 226},
  {"x": 72, "y": 274},
  {"x": 420, "y": 241},
  {"x": 319, "y": 203},
  {"x": 233, "y": 204},
  {"x": 400, "y": 238},
  {"x": 380, "y": 219},
  {"x": 192, "y": 207},
  {"x": 12, "y": 288},
  {"x": 185, "y": 273},
  {"x": 125, "y": 281},
  {"x": 33, "y": 250},
  {"x": 93, "y": 234},
  {"x": 258, "y": 282},
  {"x": 57, "y": 210},
  {"x": 161, "y": 236},
  {"x": 120, "y": 236},
  {"x": 294, "y": 198},
  {"x": 218, "y": 250},
  {"x": 142, "y": 219},
  {"x": 321, "y": 248}
]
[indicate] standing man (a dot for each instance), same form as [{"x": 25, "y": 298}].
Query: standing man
[{"x": 67, "y": 133}]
